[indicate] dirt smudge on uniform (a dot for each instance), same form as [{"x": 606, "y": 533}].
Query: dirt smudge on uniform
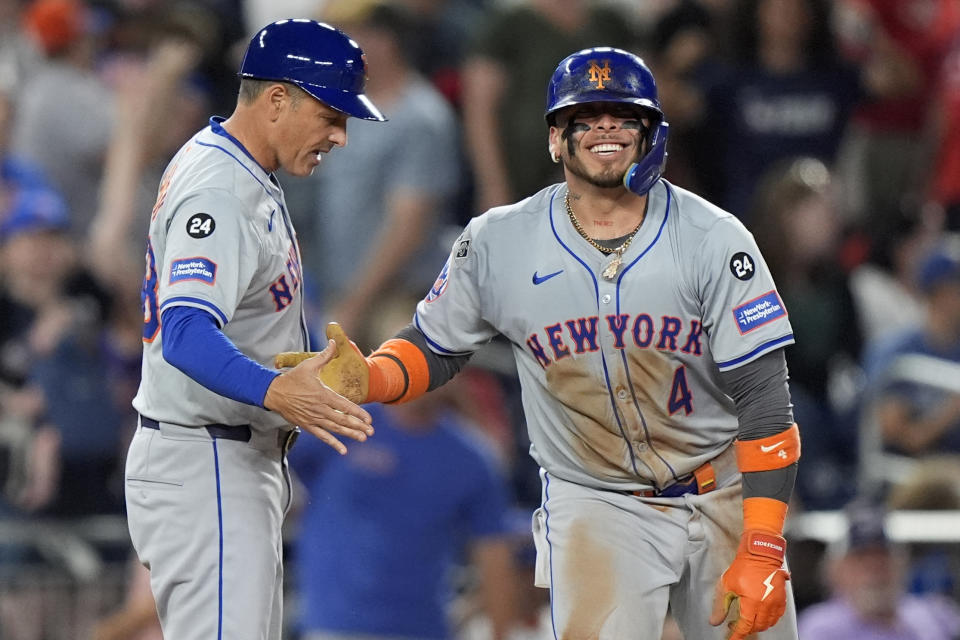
[
  {"x": 597, "y": 440},
  {"x": 651, "y": 373},
  {"x": 589, "y": 576}
]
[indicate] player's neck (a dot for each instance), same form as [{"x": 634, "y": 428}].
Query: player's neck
[
  {"x": 242, "y": 127},
  {"x": 607, "y": 213}
]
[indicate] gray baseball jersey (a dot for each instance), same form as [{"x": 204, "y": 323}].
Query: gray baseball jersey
[
  {"x": 619, "y": 377},
  {"x": 205, "y": 512},
  {"x": 621, "y": 391},
  {"x": 220, "y": 240}
]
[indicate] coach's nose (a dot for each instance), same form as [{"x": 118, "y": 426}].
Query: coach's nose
[{"x": 338, "y": 135}]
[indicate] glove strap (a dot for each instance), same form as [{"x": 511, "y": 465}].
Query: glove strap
[{"x": 764, "y": 544}]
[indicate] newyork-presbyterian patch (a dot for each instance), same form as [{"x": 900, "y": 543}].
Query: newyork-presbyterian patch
[
  {"x": 197, "y": 268},
  {"x": 758, "y": 312}
]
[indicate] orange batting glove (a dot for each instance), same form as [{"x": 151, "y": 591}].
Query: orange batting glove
[{"x": 756, "y": 577}]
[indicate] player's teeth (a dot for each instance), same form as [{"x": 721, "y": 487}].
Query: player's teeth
[{"x": 602, "y": 148}]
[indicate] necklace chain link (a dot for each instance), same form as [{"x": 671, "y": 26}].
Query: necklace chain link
[{"x": 576, "y": 225}]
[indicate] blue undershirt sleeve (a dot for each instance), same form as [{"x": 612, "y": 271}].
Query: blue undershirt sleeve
[{"x": 194, "y": 344}]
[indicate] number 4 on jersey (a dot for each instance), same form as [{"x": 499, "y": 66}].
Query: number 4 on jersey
[{"x": 680, "y": 396}]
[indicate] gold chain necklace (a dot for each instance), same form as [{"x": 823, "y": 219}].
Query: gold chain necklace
[{"x": 610, "y": 272}]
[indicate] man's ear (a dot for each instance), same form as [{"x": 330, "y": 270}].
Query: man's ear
[
  {"x": 553, "y": 144},
  {"x": 277, "y": 96}
]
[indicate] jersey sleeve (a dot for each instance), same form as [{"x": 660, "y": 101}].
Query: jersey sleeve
[
  {"x": 742, "y": 312},
  {"x": 210, "y": 255},
  {"x": 451, "y": 315}
]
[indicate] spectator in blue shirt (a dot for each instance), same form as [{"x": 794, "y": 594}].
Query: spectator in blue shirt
[{"x": 384, "y": 526}]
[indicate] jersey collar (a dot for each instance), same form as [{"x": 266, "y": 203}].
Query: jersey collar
[{"x": 216, "y": 127}]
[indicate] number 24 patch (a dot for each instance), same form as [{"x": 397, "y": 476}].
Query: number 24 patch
[
  {"x": 742, "y": 266},
  {"x": 201, "y": 225}
]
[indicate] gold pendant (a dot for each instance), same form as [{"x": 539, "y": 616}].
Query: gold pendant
[{"x": 610, "y": 272}]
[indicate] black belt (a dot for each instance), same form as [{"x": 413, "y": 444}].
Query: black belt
[{"x": 240, "y": 432}]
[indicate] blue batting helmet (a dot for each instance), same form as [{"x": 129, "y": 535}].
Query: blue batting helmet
[
  {"x": 605, "y": 74},
  {"x": 321, "y": 60}
]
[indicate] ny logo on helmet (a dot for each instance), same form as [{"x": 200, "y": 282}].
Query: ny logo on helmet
[{"x": 598, "y": 74}]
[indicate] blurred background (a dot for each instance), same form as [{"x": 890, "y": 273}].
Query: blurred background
[{"x": 831, "y": 128}]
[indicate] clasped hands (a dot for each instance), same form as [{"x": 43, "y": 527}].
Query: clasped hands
[{"x": 318, "y": 391}]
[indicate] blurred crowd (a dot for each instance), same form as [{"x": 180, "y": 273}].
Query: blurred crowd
[{"x": 831, "y": 128}]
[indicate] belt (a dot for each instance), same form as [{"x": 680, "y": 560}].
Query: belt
[
  {"x": 240, "y": 433},
  {"x": 702, "y": 480}
]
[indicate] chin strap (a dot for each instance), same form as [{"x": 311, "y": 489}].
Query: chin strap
[{"x": 641, "y": 176}]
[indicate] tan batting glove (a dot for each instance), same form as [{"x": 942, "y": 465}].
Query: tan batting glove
[
  {"x": 347, "y": 373},
  {"x": 757, "y": 580}
]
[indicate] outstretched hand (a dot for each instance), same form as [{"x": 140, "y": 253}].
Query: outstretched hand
[{"x": 303, "y": 399}]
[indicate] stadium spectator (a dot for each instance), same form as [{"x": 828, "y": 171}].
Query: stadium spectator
[
  {"x": 65, "y": 112},
  {"x": 945, "y": 131},
  {"x": 682, "y": 56},
  {"x": 403, "y": 505},
  {"x": 884, "y": 286},
  {"x": 866, "y": 578},
  {"x": 786, "y": 94},
  {"x": 798, "y": 231},
  {"x": 884, "y": 153},
  {"x": 372, "y": 219},
  {"x": 913, "y": 418},
  {"x": 503, "y": 89}
]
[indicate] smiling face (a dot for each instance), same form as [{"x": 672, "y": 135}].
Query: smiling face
[
  {"x": 598, "y": 141},
  {"x": 305, "y": 128}
]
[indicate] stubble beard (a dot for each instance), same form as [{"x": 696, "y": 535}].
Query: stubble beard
[{"x": 608, "y": 178}]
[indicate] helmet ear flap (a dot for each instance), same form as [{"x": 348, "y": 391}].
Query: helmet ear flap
[{"x": 641, "y": 176}]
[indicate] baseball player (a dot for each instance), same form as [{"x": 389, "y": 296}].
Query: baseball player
[
  {"x": 649, "y": 336},
  {"x": 206, "y": 477}
]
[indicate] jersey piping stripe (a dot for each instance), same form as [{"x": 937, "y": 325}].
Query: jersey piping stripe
[
  {"x": 603, "y": 357},
  {"x": 206, "y": 305},
  {"x": 663, "y": 224},
  {"x": 216, "y": 127},
  {"x": 216, "y": 468},
  {"x": 764, "y": 347},
  {"x": 245, "y": 168},
  {"x": 433, "y": 344},
  {"x": 303, "y": 321},
  {"x": 623, "y": 353},
  {"x": 546, "y": 511}
]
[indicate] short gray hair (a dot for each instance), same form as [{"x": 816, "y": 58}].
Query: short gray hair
[{"x": 253, "y": 88}]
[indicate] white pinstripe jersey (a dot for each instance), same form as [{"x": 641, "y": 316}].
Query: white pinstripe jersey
[
  {"x": 220, "y": 240},
  {"x": 619, "y": 377}
]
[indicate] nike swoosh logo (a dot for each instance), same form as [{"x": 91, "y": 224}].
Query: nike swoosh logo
[
  {"x": 769, "y": 584},
  {"x": 771, "y": 447},
  {"x": 541, "y": 279},
  {"x": 270, "y": 222}
]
